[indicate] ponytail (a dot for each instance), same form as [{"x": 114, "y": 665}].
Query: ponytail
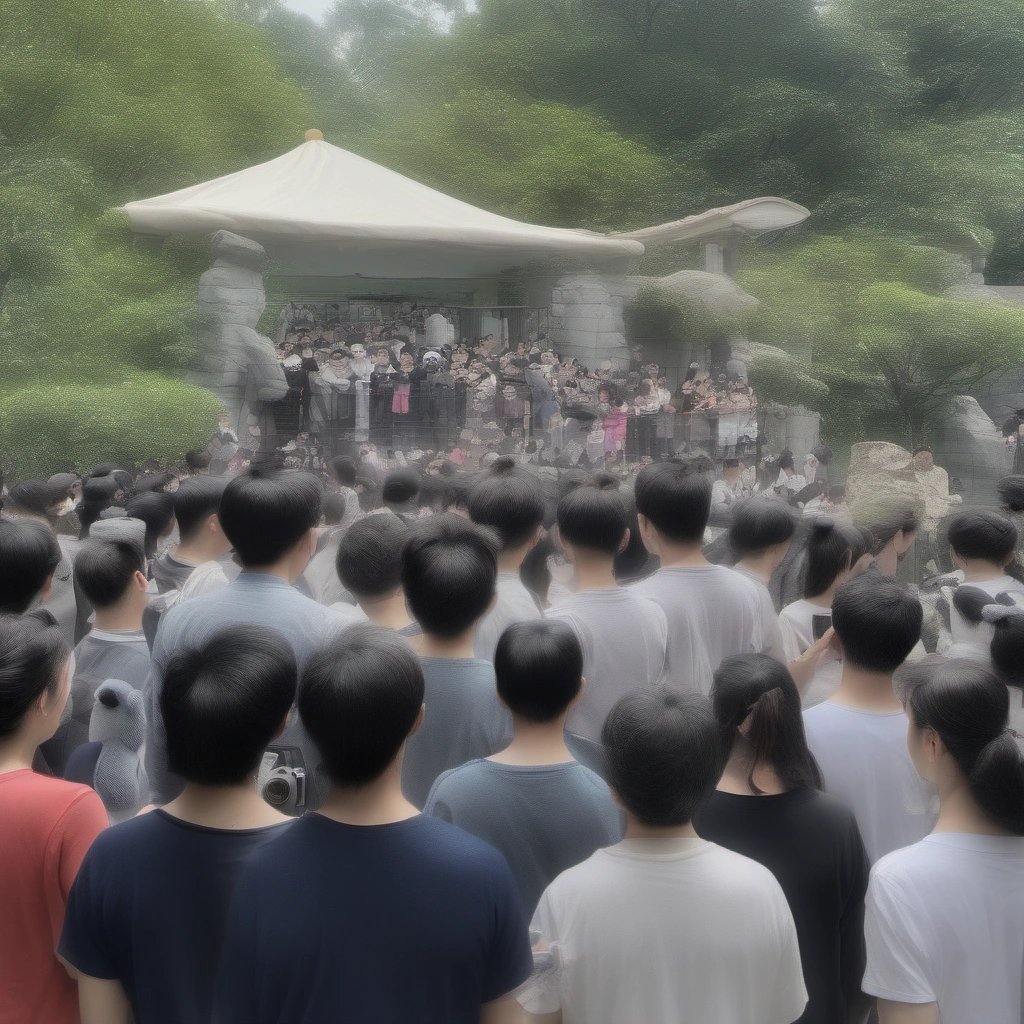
[{"x": 968, "y": 707}]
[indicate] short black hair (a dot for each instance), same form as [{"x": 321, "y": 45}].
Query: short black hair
[
  {"x": 981, "y": 533},
  {"x": 595, "y": 516},
  {"x": 32, "y": 653},
  {"x": 156, "y": 510},
  {"x": 31, "y": 496},
  {"x": 195, "y": 500},
  {"x": 507, "y": 500},
  {"x": 104, "y": 568},
  {"x": 676, "y": 499},
  {"x": 29, "y": 554},
  {"x": 334, "y": 509},
  {"x": 665, "y": 754},
  {"x": 359, "y": 698},
  {"x": 878, "y": 621},
  {"x": 369, "y": 559},
  {"x": 832, "y": 547},
  {"x": 198, "y": 459},
  {"x": 760, "y": 523},
  {"x": 224, "y": 701},
  {"x": 449, "y": 571},
  {"x": 538, "y": 666},
  {"x": 400, "y": 486},
  {"x": 343, "y": 469},
  {"x": 153, "y": 482},
  {"x": 265, "y": 514}
]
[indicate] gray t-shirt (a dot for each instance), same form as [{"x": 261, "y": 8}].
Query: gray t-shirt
[
  {"x": 712, "y": 614},
  {"x": 462, "y": 720},
  {"x": 170, "y": 573},
  {"x": 514, "y": 604},
  {"x": 543, "y": 818},
  {"x": 625, "y": 646},
  {"x": 771, "y": 633}
]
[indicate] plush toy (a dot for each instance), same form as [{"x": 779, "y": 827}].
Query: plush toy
[{"x": 118, "y": 724}]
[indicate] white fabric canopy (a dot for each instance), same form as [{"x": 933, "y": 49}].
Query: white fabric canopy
[{"x": 321, "y": 210}]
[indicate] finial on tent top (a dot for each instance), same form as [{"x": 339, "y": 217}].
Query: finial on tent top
[{"x": 314, "y": 135}]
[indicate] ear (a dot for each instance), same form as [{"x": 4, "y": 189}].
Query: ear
[
  {"x": 47, "y": 588},
  {"x": 934, "y": 748},
  {"x": 213, "y": 524},
  {"x": 624, "y": 543},
  {"x": 648, "y": 534},
  {"x": 140, "y": 581},
  {"x": 419, "y": 720},
  {"x": 579, "y": 696}
]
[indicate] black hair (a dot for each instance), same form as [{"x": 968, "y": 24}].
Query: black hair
[
  {"x": 676, "y": 498},
  {"x": 968, "y": 707},
  {"x": 29, "y": 553},
  {"x": 449, "y": 569},
  {"x": 198, "y": 459},
  {"x": 103, "y": 469},
  {"x": 1011, "y": 492},
  {"x": 538, "y": 666},
  {"x": 832, "y": 548},
  {"x": 885, "y": 519},
  {"x": 334, "y": 509},
  {"x": 761, "y": 688},
  {"x": 400, "y": 486},
  {"x": 32, "y": 654},
  {"x": 878, "y": 621},
  {"x": 664, "y": 752},
  {"x": 534, "y": 573},
  {"x": 786, "y": 460},
  {"x": 1007, "y": 619},
  {"x": 104, "y": 568},
  {"x": 594, "y": 517},
  {"x": 760, "y": 523},
  {"x": 359, "y": 699},
  {"x": 507, "y": 500},
  {"x": 97, "y": 494},
  {"x": 265, "y": 515},
  {"x": 343, "y": 469},
  {"x": 30, "y": 496},
  {"x": 153, "y": 482},
  {"x": 156, "y": 510},
  {"x": 224, "y": 701},
  {"x": 369, "y": 559},
  {"x": 195, "y": 500},
  {"x": 984, "y": 534}
]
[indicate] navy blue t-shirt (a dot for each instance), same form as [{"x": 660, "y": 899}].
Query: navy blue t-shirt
[
  {"x": 415, "y": 922},
  {"x": 149, "y": 907}
]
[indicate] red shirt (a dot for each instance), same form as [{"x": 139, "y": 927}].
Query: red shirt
[{"x": 46, "y": 827}]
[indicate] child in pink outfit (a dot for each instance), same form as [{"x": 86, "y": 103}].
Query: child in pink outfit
[{"x": 614, "y": 424}]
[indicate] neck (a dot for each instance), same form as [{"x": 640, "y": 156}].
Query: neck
[
  {"x": 430, "y": 645},
  {"x": 281, "y": 569},
  {"x": 18, "y": 751},
  {"x": 511, "y": 559},
  {"x": 825, "y": 597},
  {"x": 387, "y": 611},
  {"x": 380, "y": 802},
  {"x": 737, "y": 775},
  {"x": 680, "y": 556},
  {"x": 637, "y": 830},
  {"x": 237, "y": 806},
  {"x": 594, "y": 571},
  {"x": 197, "y": 550},
  {"x": 123, "y": 617},
  {"x": 758, "y": 565},
  {"x": 535, "y": 743},
  {"x": 978, "y": 571},
  {"x": 867, "y": 691},
  {"x": 887, "y": 561},
  {"x": 959, "y": 811}
]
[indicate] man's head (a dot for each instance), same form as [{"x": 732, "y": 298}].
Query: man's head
[
  {"x": 224, "y": 700},
  {"x": 360, "y": 698},
  {"x": 30, "y": 498},
  {"x": 594, "y": 518},
  {"x": 196, "y": 504},
  {"x": 673, "y": 501},
  {"x": 507, "y": 500},
  {"x": 665, "y": 754},
  {"x": 980, "y": 535},
  {"x": 369, "y": 560},
  {"x": 539, "y": 669},
  {"x": 270, "y": 519},
  {"x": 111, "y": 573},
  {"x": 400, "y": 488},
  {"x": 761, "y": 527},
  {"x": 449, "y": 569},
  {"x": 731, "y": 469},
  {"x": 343, "y": 469},
  {"x": 29, "y": 554},
  {"x": 198, "y": 461},
  {"x": 156, "y": 510},
  {"x": 877, "y": 621}
]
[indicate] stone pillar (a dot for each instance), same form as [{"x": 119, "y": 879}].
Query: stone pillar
[
  {"x": 586, "y": 317},
  {"x": 792, "y": 427}
]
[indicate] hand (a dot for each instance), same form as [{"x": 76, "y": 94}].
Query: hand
[{"x": 805, "y": 666}]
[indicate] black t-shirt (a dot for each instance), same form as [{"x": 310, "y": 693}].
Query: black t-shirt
[
  {"x": 415, "y": 922},
  {"x": 149, "y": 906},
  {"x": 811, "y": 843}
]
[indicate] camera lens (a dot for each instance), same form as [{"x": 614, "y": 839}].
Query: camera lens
[{"x": 276, "y": 792}]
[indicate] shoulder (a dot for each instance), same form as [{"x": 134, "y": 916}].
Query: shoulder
[
  {"x": 455, "y": 781},
  {"x": 135, "y": 833},
  {"x": 56, "y": 795},
  {"x": 896, "y": 872}
]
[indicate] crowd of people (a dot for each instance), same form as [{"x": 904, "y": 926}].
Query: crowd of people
[
  {"x": 386, "y": 383},
  {"x": 497, "y": 745}
]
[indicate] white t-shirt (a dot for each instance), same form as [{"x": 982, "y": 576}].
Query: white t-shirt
[
  {"x": 713, "y": 613},
  {"x": 625, "y": 643},
  {"x": 865, "y": 763},
  {"x": 514, "y": 604},
  {"x": 771, "y": 633},
  {"x": 944, "y": 923},
  {"x": 204, "y": 579},
  {"x": 797, "y": 627},
  {"x": 654, "y": 931}
]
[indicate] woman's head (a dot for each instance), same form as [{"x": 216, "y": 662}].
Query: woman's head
[
  {"x": 958, "y": 733},
  {"x": 34, "y": 671},
  {"x": 756, "y": 702},
  {"x": 836, "y": 551}
]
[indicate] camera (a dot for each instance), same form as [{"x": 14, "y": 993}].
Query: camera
[{"x": 282, "y": 780}]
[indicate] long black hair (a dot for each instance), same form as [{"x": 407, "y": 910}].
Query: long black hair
[
  {"x": 832, "y": 547},
  {"x": 968, "y": 707},
  {"x": 761, "y": 688}
]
